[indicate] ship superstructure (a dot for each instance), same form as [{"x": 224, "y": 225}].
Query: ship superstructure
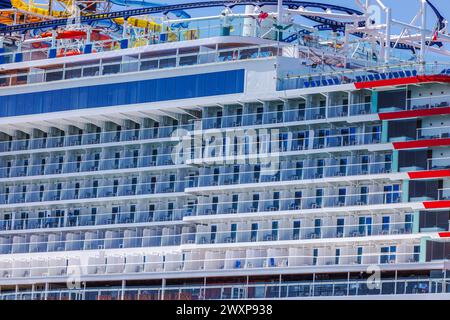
[{"x": 274, "y": 150}]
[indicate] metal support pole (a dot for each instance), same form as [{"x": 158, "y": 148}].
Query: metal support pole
[
  {"x": 423, "y": 31},
  {"x": 387, "y": 50},
  {"x": 280, "y": 11},
  {"x": 122, "y": 290},
  {"x": 163, "y": 288},
  {"x": 53, "y": 38},
  {"x": 46, "y": 288},
  {"x": 124, "y": 28},
  {"x": 50, "y": 7}
]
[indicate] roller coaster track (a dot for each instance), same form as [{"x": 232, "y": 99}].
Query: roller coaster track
[
  {"x": 183, "y": 6},
  {"x": 324, "y": 23}
]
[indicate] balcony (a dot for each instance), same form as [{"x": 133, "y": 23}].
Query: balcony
[
  {"x": 285, "y": 116},
  {"x": 77, "y": 239},
  {"x": 274, "y": 147},
  {"x": 70, "y": 219},
  {"x": 290, "y": 172},
  {"x": 298, "y": 203},
  {"x": 50, "y": 192},
  {"x": 441, "y": 132},
  {"x": 92, "y": 138},
  {"x": 222, "y": 261},
  {"x": 308, "y": 232}
]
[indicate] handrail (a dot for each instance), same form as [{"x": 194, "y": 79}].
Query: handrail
[{"x": 224, "y": 260}]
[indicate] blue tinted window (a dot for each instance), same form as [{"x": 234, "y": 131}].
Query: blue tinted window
[{"x": 182, "y": 87}]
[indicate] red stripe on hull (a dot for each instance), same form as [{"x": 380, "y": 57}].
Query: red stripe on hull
[
  {"x": 401, "y": 81},
  {"x": 437, "y": 204},
  {"x": 429, "y": 174},
  {"x": 414, "y": 113},
  {"x": 444, "y": 234},
  {"x": 421, "y": 143}
]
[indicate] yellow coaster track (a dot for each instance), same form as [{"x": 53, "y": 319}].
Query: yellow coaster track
[{"x": 38, "y": 12}]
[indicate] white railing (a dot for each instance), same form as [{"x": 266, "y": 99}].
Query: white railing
[
  {"x": 438, "y": 163},
  {"x": 293, "y": 173},
  {"x": 292, "y": 203},
  {"x": 73, "y": 193},
  {"x": 289, "y": 115},
  {"x": 129, "y": 135},
  {"x": 204, "y": 237},
  {"x": 89, "y": 219},
  {"x": 42, "y": 268},
  {"x": 160, "y": 160},
  {"x": 433, "y": 133},
  {"x": 428, "y": 102}
]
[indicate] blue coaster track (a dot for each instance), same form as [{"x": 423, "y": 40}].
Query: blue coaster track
[
  {"x": 292, "y": 4},
  {"x": 179, "y": 10}
]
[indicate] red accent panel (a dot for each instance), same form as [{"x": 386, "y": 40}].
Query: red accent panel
[
  {"x": 421, "y": 143},
  {"x": 429, "y": 174},
  {"x": 401, "y": 81},
  {"x": 444, "y": 234},
  {"x": 414, "y": 113},
  {"x": 437, "y": 204}
]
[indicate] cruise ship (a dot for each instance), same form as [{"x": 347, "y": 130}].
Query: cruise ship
[{"x": 223, "y": 150}]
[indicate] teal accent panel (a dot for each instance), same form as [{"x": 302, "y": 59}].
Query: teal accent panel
[
  {"x": 374, "y": 104},
  {"x": 415, "y": 228},
  {"x": 395, "y": 161},
  {"x": 225, "y": 31},
  {"x": 423, "y": 249},
  {"x": 405, "y": 191},
  {"x": 384, "y": 131}
]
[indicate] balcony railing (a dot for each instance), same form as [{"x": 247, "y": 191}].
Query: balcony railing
[
  {"x": 301, "y": 233},
  {"x": 219, "y": 151},
  {"x": 199, "y": 237},
  {"x": 438, "y": 163},
  {"x": 285, "y": 116},
  {"x": 90, "y": 192},
  {"x": 429, "y": 102},
  {"x": 117, "y": 265},
  {"x": 101, "y": 164},
  {"x": 299, "y": 203},
  {"x": 443, "y": 194},
  {"x": 94, "y": 138},
  {"x": 292, "y": 173},
  {"x": 78, "y": 220},
  {"x": 433, "y": 133}
]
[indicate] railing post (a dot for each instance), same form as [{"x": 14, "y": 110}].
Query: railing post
[{"x": 163, "y": 288}]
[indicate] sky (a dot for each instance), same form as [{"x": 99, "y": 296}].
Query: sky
[
  {"x": 404, "y": 9},
  {"x": 401, "y": 9}
]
